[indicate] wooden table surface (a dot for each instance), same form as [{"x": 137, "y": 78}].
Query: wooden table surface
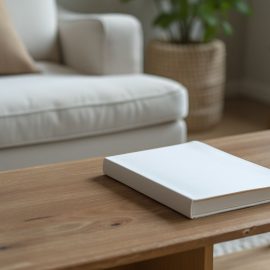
[{"x": 70, "y": 216}]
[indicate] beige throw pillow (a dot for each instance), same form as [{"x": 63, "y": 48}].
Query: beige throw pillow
[{"x": 14, "y": 58}]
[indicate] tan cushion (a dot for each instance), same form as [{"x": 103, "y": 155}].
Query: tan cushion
[
  {"x": 14, "y": 58},
  {"x": 36, "y": 22}
]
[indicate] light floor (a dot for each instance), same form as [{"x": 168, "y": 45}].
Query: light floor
[
  {"x": 240, "y": 116},
  {"x": 258, "y": 259}
]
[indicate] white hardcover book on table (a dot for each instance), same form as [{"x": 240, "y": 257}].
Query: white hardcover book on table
[{"x": 194, "y": 178}]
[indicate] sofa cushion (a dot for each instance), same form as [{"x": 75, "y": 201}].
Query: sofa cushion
[
  {"x": 14, "y": 58},
  {"x": 64, "y": 105},
  {"x": 36, "y": 23}
]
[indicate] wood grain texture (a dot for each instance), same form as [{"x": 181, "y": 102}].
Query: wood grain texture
[{"x": 70, "y": 215}]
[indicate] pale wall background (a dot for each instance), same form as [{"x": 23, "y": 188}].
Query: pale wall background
[
  {"x": 248, "y": 50},
  {"x": 256, "y": 64}
]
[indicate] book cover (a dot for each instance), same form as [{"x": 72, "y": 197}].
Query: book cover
[{"x": 194, "y": 178}]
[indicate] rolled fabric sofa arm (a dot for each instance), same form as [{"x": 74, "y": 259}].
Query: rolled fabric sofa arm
[{"x": 102, "y": 44}]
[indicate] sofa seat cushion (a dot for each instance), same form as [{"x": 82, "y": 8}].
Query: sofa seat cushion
[{"x": 60, "y": 104}]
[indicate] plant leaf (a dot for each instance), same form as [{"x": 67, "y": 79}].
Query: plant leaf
[
  {"x": 212, "y": 15},
  {"x": 227, "y": 28},
  {"x": 209, "y": 33},
  {"x": 164, "y": 20},
  {"x": 242, "y": 7}
]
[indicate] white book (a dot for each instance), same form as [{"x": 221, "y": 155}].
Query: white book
[{"x": 194, "y": 178}]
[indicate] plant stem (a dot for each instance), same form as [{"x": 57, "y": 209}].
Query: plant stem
[{"x": 184, "y": 32}]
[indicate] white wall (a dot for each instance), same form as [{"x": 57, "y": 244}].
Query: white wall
[
  {"x": 248, "y": 50},
  {"x": 256, "y": 81},
  {"x": 142, "y": 9}
]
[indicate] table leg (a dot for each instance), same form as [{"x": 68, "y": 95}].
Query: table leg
[{"x": 198, "y": 259}]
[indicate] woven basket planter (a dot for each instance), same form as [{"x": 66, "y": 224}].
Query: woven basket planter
[{"x": 201, "y": 69}]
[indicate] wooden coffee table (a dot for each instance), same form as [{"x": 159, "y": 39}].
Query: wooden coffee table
[{"x": 70, "y": 216}]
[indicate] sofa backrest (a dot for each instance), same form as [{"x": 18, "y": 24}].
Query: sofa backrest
[{"x": 36, "y": 23}]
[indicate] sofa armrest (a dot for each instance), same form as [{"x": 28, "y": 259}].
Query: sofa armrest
[{"x": 102, "y": 44}]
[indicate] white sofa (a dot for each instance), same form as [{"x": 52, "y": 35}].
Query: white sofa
[{"x": 90, "y": 98}]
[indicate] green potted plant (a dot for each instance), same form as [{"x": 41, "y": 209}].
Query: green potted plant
[{"x": 192, "y": 54}]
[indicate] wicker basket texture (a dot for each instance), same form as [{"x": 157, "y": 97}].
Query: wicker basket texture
[{"x": 201, "y": 69}]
